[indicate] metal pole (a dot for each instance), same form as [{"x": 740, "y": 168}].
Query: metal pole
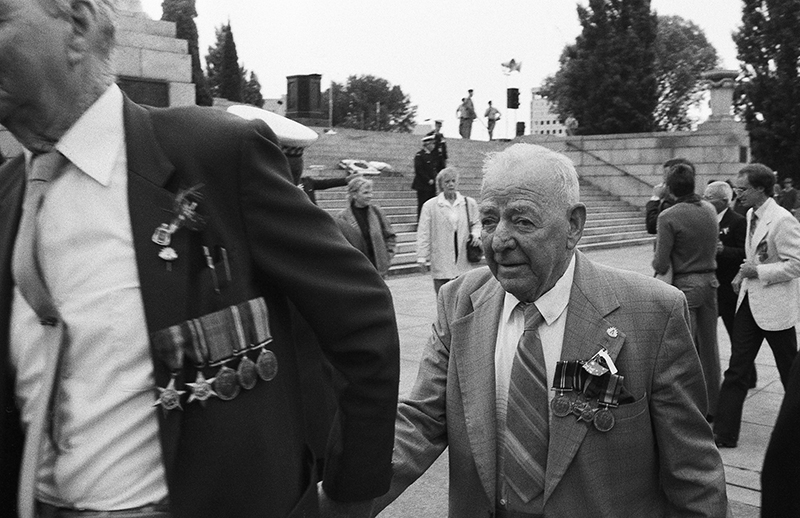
[{"x": 330, "y": 107}]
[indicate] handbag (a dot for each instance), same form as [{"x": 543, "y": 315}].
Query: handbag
[{"x": 474, "y": 252}]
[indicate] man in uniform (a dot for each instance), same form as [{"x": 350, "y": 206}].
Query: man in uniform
[
  {"x": 427, "y": 164},
  {"x": 152, "y": 262},
  {"x": 466, "y": 114},
  {"x": 439, "y": 143}
]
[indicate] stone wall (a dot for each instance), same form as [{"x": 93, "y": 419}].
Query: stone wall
[{"x": 629, "y": 165}]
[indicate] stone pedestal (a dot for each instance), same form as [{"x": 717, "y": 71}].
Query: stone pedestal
[{"x": 721, "y": 84}]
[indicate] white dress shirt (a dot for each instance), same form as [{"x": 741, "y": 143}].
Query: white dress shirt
[
  {"x": 109, "y": 454},
  {"x": 553, "y": 307}
]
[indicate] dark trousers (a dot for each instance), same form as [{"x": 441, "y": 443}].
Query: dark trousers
[
  {"x": 780, "y": 478},
  {"x": 424, "y": 195},
  {"x": 745, "y": 343},
  {"x": 726, "y": 305}
]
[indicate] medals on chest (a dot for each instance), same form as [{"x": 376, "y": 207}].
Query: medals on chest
[
  {"x": 587, "y": 390},
  {"x": 222, "y": 340}
]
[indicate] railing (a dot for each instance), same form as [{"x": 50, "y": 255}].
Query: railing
[{"x": 606, "y": 162}]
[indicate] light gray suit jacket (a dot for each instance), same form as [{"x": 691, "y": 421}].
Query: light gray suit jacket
[{"x": 658, "y": 460}]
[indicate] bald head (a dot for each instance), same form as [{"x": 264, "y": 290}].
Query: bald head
[
  {"x": 719, "y": 194},
  {"x": 541, "y": 169}
]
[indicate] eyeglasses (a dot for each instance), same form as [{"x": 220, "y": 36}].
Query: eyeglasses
[{"x": 740, "y": 190}]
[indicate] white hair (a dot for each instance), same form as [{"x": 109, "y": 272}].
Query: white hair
[
  {"x": 719, "y": 190},
  {"x": 530, "y": 159},
  {"x": 106, "y": 13}
]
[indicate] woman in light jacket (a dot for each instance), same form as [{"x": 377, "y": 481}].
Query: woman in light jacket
[
  {"x": 365, "y": 226},
  {"x": 444, "y": 229}
]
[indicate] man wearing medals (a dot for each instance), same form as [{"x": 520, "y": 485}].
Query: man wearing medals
[
  {"x": 152, "y": 265},
  {"x": 560, "y": 387}
]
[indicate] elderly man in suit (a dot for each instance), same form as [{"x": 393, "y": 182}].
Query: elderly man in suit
[
  {"x": 151, "y": 264},
  {"x": 623, "y": 433},
  {"x": 768, "y": 306}
]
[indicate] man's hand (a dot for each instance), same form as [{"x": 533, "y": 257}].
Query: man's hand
[
  {"x": 659, "y": 191},
  {"x": 749, "y": 270},
  {"x": 331, "y": 509}
]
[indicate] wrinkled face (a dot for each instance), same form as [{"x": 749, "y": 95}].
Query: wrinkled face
[
  {"x": 449, "y": 184},
  {"x": 528, "y": 236},
  {"x": 32, "y": 59},
  {"x": 364, "y": 196}
]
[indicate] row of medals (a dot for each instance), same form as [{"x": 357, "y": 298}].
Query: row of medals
[
  {"x": 563, "y": 405},
  {"x": 227, "y": 384}
]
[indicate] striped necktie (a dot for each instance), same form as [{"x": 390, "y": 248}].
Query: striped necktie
[
  {"x": 27, "y": 273},
  {"x": 527, "y": 426},
  {"x": 753, "y": 223}
]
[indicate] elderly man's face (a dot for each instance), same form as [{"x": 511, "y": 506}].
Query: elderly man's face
[
  {"x": 528, "y": 235},
  {"x": 32, "y": 55}
]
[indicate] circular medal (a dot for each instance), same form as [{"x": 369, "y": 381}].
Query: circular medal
[
  {"x": 561, "y": 406},
  {"x": 226, "y": 384},
  {"x": 604, "y": 420},
  {"x": 246, "y": 373},
  {"x": 267, "y": 365}
]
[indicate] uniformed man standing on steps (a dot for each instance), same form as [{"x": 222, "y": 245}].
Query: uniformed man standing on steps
[{"x": 427, "y": 163}]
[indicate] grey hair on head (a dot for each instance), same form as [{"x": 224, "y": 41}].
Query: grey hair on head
[
  {"x": 530, "y": 158},
  {"x": 106, "y": 11},
  {"x": 355, "y": 185}
]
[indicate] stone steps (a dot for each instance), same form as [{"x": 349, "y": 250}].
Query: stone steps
[{"x": 611, "y": 222}]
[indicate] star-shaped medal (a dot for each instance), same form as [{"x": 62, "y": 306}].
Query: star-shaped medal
[
  {"x": 201, "y": 388},
  {"x": 170, "y": 398}
]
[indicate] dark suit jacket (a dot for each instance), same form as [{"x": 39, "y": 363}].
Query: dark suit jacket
[
  {"x": 658, "y": 460},
  {"x": 245, "y": 457},
  {"x": 426, "y": 166},
  {"x": 732, "y": 233}
]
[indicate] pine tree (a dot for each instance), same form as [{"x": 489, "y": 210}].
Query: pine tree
[
  {"x": 183, "y": 13},
  {"x": 224, "y": 74},
  {"x": 607, "y": 78},
  {"x": 251, "y": 89},
  {"x": 768, "y": 45}
]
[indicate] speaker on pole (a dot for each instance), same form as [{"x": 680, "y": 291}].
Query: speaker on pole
[{"x": 512, "y": 98}]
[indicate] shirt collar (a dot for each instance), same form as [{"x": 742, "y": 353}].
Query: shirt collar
[
  {"x": 94, "y": 142},
  {"x": 553, "y": 303},
  {"x": 763, "y": 208},
  {"x": 441, "y": 200},
  {"x": 721, "y": 214}
]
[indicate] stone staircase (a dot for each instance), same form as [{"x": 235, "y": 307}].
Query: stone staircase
[{"x": 611, "y": 222}]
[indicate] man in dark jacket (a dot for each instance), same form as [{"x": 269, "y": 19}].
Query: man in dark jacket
[{"x": 427, "y": 163}]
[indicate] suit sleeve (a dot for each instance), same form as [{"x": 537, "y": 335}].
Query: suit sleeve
[
  {"x": 389, "y": 236},
  {"x": 298, "y": 250},
  {"x": 787, "y": 244},
  {"x": 652, "y": 208},
  {"x": 665, "y": 239},
  {"x": 691, "y": 470},
  {"x": 739, "y": 235},
  {"x": 421, "y": 428},
  {"x": 327, "y": 183}
]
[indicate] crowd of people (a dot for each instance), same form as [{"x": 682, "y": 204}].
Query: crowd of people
[{"x": 183, "y": 333}]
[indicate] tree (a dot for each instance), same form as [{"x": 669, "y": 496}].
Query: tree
[
  {"x": 372, "y": 103},
  {"x": 183, "y": 13},
  {"x": 225, "y": 76},
  {"x": 768, "y": 96},
  {"x": 251, "y": 89},
  {"x": 607, "y": 77},
  {"x": 682, "y": 53}
]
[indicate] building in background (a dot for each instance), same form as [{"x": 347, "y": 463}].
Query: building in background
[{"x": 543, "y": 120}]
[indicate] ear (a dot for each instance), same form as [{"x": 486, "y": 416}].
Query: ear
[
  {"x": 85, "y": 28},
  {"x": 576, "y": 217}
]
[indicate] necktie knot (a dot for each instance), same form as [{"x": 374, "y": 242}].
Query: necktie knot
[
  {"x": 533, "y": 318},
  {"x": 45, "y": 167}
]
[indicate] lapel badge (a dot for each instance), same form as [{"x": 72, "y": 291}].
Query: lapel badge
[
  {"x": 184, "y": 211},
  {"x": 612, "y": 331}
]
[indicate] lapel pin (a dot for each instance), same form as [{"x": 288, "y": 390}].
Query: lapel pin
[{"x": 612, "y": 332}]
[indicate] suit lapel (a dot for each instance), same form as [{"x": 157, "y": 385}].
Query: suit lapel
[
  {"x": 164, "y": 291},
  {"x": 586, "y": 331},
  {"x": 12, "y": 190},
  {"x": 475, "y": 336}
]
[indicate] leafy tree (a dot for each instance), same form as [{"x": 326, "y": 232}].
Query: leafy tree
[
  {"x": 372, "y": 103},
  {"x": 768, "y": 97},
  {"x": 607, "y": 77},
  {"x": 682, "y": 53},
  {"x": 183, "y": 13}
]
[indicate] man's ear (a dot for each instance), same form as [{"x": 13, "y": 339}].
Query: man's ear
[
  {"x": 576, "y": 216},
  {"x": 85, "y": 29}
]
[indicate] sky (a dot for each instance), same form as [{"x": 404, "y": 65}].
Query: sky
[{"x": 434, "y": 50}]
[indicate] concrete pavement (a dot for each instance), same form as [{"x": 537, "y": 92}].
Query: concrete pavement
[{"x": 415, "y": 306}]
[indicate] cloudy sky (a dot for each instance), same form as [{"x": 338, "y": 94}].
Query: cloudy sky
[{"x": 434, "y": 50}]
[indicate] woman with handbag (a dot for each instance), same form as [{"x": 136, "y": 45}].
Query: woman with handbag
[{"x": 449, "y": 224}]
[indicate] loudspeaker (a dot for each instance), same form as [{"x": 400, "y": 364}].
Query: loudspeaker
[
  {"x": 512, "y": 98},
  {"x": 303, "y": 99}
]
